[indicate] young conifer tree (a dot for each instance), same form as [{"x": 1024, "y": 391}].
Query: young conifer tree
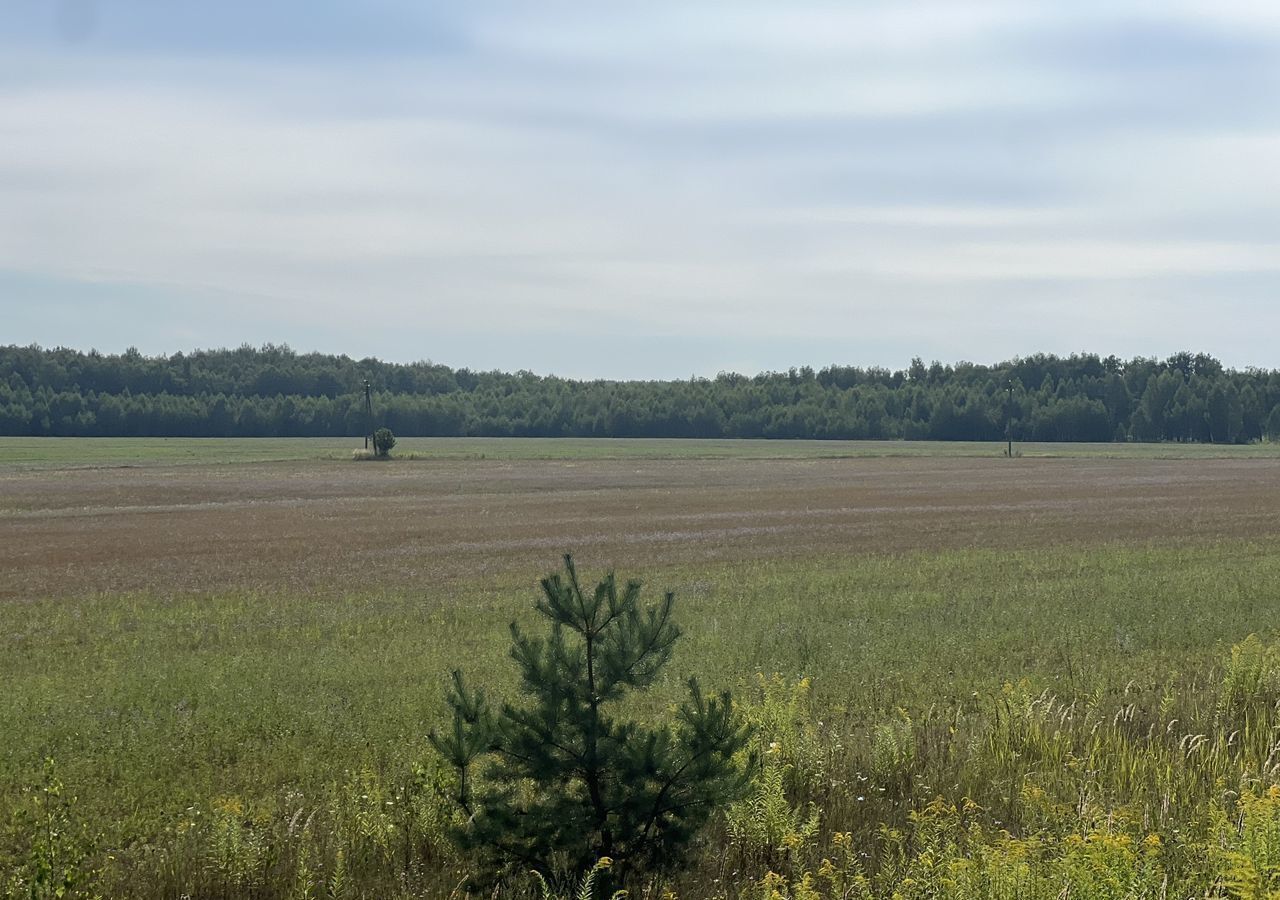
[{"x": 557, "y": 783}]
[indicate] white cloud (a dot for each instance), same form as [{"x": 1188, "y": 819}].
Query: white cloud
[{"x": 747, "y": 171}]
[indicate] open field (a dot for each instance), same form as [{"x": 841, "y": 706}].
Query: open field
[
  {"x": 47, "y": 452},
  {"x": 184, "y": 638},
  {"x": 327, "y": 526}
]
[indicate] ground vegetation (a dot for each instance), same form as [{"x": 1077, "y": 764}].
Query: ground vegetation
[{"x": 965, "y": 678}]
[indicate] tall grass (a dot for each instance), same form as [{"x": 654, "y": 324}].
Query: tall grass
[{"x": 958, "y": 725}]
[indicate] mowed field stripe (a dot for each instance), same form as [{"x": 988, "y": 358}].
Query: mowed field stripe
[{"x": 326, "y": 525}]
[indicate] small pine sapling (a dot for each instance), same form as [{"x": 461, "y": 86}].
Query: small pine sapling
[{"x": 557, "y": 783}]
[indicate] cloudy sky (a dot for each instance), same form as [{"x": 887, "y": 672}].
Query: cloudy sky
[{"x": 649, "y": 189}]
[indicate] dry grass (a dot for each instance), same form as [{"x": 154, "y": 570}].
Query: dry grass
[{"x": 325, "y": 526}]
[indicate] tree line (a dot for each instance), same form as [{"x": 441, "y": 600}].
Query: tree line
[{"x": 272, "y": 391}]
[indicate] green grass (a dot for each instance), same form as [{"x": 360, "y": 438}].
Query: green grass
[
  {"x": 23, "y": 452},
  {"x": 157, "y": 705},
  {"x": 28, "y": 453}
]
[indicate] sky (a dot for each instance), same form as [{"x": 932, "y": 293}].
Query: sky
[{"x": 649, "y": 189}]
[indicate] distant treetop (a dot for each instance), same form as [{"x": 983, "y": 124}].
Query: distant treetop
[{"x": 274, "y": 391}]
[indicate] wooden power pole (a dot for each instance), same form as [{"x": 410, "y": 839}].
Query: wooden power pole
[
  {"x": 1008, "y": 419},
  {"x": 368, "y": 413}
]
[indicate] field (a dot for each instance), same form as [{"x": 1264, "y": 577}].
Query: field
[
  {"x": 209, "y": 637},
  {"x": 27, "y": 453}
]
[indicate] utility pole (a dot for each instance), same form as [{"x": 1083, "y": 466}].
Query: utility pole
[
  {"x": 1008, "y": 418},
  {"x": 368, "y": 413}
]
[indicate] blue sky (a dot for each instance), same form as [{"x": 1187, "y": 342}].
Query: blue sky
[{"x": 636, "y": 190}]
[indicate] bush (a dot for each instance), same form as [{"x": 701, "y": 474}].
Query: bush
[
  {"x": 557, "y": 784},
  {"x": 1251, "y": 678},
  {"x": 383, "y": 441},
  {"x": 766, "y": 825},
  {"x": 54, "y": 864}
]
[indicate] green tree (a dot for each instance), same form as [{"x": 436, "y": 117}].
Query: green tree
[
  {"x": 1252, "y": 414},
  {"x": 1154, "y": 425},
  {"x": 273, "y": 391},
  {"x": 557, "y": 783},
  {"x": 383, "y": 441},
  {"x": 1224, "y": 414},
  {"x": 1273, "y": 424},
  {"x": 1118, "y": 401}
]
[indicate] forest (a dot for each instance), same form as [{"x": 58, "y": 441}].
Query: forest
[{"x": 273, "y": 391}]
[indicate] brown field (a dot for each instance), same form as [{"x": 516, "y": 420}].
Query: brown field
[
  {"x": 212, "y": 638},
  {"x": 326, "y": 525}
]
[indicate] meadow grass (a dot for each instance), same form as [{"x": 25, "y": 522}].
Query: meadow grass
[
  {"x": 53, "y": 452},
  {"x": 190, "y": 727}
]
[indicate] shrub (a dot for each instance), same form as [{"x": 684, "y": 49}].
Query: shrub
[
  {"x": 1251, "y": 677},
  {"x": 1247, "y": 850},
  {"x": 893, "y": 749},
  {"x": 557, "y": 783},
  {"x": 585, "y": 889},
  {"x": 383, "y": 441},
  {"x": 766, "y": 825},
  {"x": 55, "y": 862}
]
